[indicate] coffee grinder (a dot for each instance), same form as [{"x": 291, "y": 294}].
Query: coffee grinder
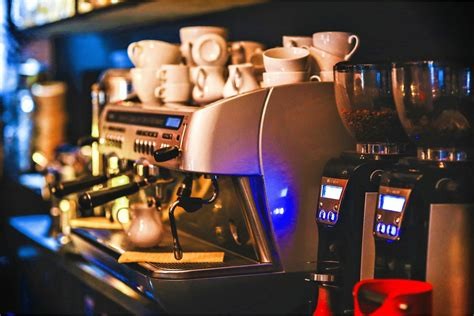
[
  {"x": 364, "y": 100},
  {"x": 425, "y": 207}
]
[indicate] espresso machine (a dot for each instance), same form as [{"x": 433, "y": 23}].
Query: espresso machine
[
  {"x": 365, "y": 104},
  {"x": 239, "y": 176},
  {"x": 425, "y": 206}
]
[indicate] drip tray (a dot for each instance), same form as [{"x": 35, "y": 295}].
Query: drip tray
[{"x": 115, "y": 243}]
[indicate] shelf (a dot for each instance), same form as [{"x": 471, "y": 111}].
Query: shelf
[{"x": 134, "y": 13}]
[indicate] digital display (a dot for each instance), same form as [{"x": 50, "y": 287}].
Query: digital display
[
  {"x": 331, "y": 191},
  {"x": 173, "y": 122},
  {"x": 392, "y": 203},
  {"x": 145, "y": 119}
]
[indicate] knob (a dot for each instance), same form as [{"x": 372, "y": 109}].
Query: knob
[
  {"x": 318, "y": 277},
  {"x": 166, "y": 153}
]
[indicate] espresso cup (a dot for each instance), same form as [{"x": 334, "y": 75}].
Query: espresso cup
[
  {"x": 173, "y": 74},
  {"x": 174, "y": 92},
  {"x": 209, "y": 84},
  {"x": 189, "y": 34},
  {"x": 209, "y": 50},
  {"x": 297, "y": 41},
  {"x": 278, "y": 78},
  {"x": 145, "y": 81},
  {"x": 340, "y": 44},
  {"x": 247, "y": 52},
  {"x": 324, "y": 60},
  {"x": 153, "y": 54},
  {"x": 285, "y": 59},
  {"x": 241, "y": 79}
]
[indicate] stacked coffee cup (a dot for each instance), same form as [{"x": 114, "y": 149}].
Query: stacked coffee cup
[
  {"x": 204, "y": 49},
  {"x": 149, "y": 56},
  {"x": 326, "y": 49},
  {"x": 285, "y": 65}
]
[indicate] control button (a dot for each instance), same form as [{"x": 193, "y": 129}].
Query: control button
[
  {"x": 393, "y": 230},
  {"x": 178, "y": 137},
  {"x": 397, "y": 220},
  {"x": 135, "y": 145},
  {"x": 379, "y": 217},
  {"x": 147, "y": 147},
  {"x": 322, "y": 214},
  {"x": 320, "y": 204},
  {"x": 336, "y": 207},
  {"x": 382, "y": 228},
  {"x": 167, "y": 136},
  {"x": 331, "y": 216},
  {"x": 377, "y": 228}
]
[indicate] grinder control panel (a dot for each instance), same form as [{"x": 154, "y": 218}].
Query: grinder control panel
[
  {"x": 330, "y": 198},
  {"x": 391, "y": 205}
]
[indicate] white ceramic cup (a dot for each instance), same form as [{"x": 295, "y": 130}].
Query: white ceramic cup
[
  {"x": 285, "y": 59},
  {"x": 174, "y": 74},
  {"x": 209, "y": 50},
  {"x": 340, "y": 44},
  {"x": 247, "y": 52},
  {"x": 241, "y": 79},
  {"x": 145, "y": 81},
  {"x": 278, "y": 78},
  {"x": 325, "y": 61},
  {"x": 297, "y": 41},
  {"x": 189, "y": 34},
  {"x": 174, "y": 92},
  {"x": 153, "y": 54},
  {"x": 209, "y": 84}
]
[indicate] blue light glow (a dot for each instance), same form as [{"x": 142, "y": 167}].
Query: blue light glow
[
  {"x": 278, "y": 211},
  {"x": 284, "y": 192},
  {"x": 27, "y": 252},
  {"x": 26, "y": 103}
]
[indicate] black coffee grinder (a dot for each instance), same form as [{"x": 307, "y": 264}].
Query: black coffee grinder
[
  {"x": 365, "y": 104},
  {"x": 425, "y": 206}
]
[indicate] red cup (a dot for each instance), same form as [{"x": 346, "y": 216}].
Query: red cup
[{"x": 382, "y": 297}]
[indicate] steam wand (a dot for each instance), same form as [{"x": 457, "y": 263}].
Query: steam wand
[{"x": 190, "y": 205}]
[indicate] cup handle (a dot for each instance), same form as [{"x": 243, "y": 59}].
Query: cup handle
[
  {"x": 315, "y": 78},
  {"x": 159, "y": 92},
  {"x": 237, "y": 80},
  {"x": 132, "y": 52},
  {"x": 356, "y": 45},
  {"x": 201, "y": 81},
  {"x": 161, "y": 75}
]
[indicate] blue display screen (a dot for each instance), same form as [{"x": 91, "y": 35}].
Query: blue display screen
[
  {"x": 173, "y": 122},
  {"x": 392, "y": 203},
  {"x": 331, "y": 191}
]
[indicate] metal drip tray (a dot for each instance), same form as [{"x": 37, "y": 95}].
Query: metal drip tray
[{"x": 115, "y": 243}]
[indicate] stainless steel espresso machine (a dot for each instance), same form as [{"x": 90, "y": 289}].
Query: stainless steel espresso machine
[
  {"x": 240, "y": 176},
  {"x": 365, "y": 103},
  {"x": 425, "y": 207}
]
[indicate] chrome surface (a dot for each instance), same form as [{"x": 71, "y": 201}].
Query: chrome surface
[
  {"x": 300, "y": 131},
  {"x": 450, "y": 258},
  {"x": 367, "y": 258},
  {"x": 322, "y": 277},
  {"x": 442, "y": 154},
  {"x": 254, "y": 222},
  {"x": 380, "y": 148}
]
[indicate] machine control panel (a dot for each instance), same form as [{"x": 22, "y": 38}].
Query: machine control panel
[
  {"x": 391, "y": 205},
  {"x": 330, "y": 198},
  {"x": 134, "y": 132}
]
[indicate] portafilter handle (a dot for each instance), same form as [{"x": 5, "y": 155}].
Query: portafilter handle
[
  {"x": 91, "y": 199},
  {"x": 60, "y": 190}
]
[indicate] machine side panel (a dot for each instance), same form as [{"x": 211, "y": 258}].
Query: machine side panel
[
  {"x": 301, "y": 131},
  {"x": 450, "y": 261},
  {"x": 222, "y": 138}
]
